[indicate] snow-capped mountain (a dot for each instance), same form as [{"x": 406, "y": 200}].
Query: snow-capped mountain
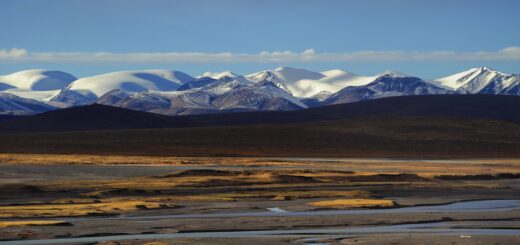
[
  {"x": 132, "y": 81},
  {"x": 219, "y": 75},
  {"x": 481, "y": 80},
  {"x": 287, "y": 78},
  {"x": 38, "y": 79},
  {"x": 11, "y": 104},
  {"x": 304, "y": 84},
  {"x": 284, "y": 88},
  {"x": 35, "y": 84},
  {"x": 259, "y": 96},
  {"x": 317, "y": 99},
  {"x": 87, "y": 90},
  {"x": 197, "y": 83},
  {"x": 387, "y": 85},
  {"x": 269, "y": 77},
  {"x": 511, "y": 85},
  {"x": 332, "y": 81},
  {"x": 69, "y": 98},
  {"x": 225, "y": 94},
  {"x": 291, "y": 75}
]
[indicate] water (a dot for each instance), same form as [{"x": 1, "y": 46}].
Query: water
[
  {"x": 438, "y": 228},
  {"x": 408, "y": 228},
  {"x": 468, "y": 206},
  {"x": 276, "y": 209}
]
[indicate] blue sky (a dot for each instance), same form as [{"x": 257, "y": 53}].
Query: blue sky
[{"x": 425, "y": 38}]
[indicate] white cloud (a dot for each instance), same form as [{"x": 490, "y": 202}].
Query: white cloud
[
  {"x": 12, "y": 53},
  {"x": 18, "y": 55}
]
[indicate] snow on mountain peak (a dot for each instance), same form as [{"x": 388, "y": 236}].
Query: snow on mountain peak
[
  {"x": 264, "y": 77},
  {"x": 472, "y": 80},
  {"x": 291, "y": 75},
  {"x": 218, "y": 75},
  {"x": 331, "y": 80},
  {"x": 38, "y": 79},
  {"x": 131, "y": 81},
  {"x": 337, "y": 72},
  {"x": 393, "y": 74}
]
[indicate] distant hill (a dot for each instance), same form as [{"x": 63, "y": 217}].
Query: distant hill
[
  {"x": 91, "y": 117},
  {"x": 101, "y": 117},
  {"x": 9, "y": 117},
  {"x": 467, "y": 106}
]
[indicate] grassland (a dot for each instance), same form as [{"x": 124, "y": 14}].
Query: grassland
[
  {"x": 5, "y": 224},
  {"x": 354, "y": 203},
  {"x": 344, "y": 184}
]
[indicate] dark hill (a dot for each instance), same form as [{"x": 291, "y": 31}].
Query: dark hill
[
  {"x": 91, "y": 117},
  {"x": 468, "y": 106},
  {"x": 362, "y": 137},
  {"x": 10, "y": 117}
]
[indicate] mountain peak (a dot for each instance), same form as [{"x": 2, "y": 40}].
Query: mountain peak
[
  {"x": 38, "y": 79},
  {"x": 487, "y": 69},
  {"x": 218, "y": 75},
  {"x": 392, "y": 74},
  {"x": 337, "y": 73},
  {"x": 285, "y": 68}
]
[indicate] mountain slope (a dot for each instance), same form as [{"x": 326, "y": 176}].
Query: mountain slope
[
  {"x": 227, "y": 94},
  {"x": 387, "y": 85},
  {"x": 286, "y": 78},
  {"x": 37, "y": 84},
  {"x": 13, "y": 105},
  {"x": 87, "y": 90},
  {"x": 481, "y": 80},
  {"x": 269, "y": 77},
  {"x": 332, "y": 82},
  {"x": 197, "y": 83},
  {"x": 38, "y": 80}
]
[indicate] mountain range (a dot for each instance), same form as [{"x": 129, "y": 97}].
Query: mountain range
[{"x": 283, "y": 89}]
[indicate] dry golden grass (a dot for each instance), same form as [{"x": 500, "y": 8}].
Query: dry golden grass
[
  {"x": 115, "y": 206},
  {"x": 273, "y": 195},
  {"x": 234, "y": 178},
  {"x": 360, "y": 166},
  {"x": 353, "y": 203},
  {"x": 48, "y": 159},
  {"x": 4, "y": 224},
  {"x": 224, "y": 197}
]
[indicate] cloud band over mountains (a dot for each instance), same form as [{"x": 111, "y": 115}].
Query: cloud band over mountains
[{"x": 19, "y": 55}]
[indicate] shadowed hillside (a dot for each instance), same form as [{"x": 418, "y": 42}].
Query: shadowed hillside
[{"x": 363, "y": 137}]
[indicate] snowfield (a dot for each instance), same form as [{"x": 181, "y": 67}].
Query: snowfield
[{"x": 132, "y": 81}]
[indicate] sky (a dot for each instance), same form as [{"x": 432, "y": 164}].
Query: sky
[{"x": 429, "y": 39}]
